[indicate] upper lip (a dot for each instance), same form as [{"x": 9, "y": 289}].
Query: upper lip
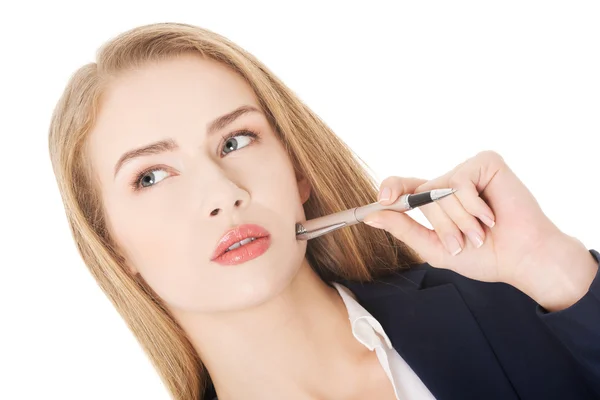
[{"x": 237, "y": 234}]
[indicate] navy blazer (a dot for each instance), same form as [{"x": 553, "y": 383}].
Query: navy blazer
[{"x": 467, "y": 339}]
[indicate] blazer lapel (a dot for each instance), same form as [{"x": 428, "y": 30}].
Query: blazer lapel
[{"x": 435, "y": 333}]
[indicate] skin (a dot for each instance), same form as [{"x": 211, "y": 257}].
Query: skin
[
  {"x": 493, "y": 230},
  {"x": 269, "y": 320}
]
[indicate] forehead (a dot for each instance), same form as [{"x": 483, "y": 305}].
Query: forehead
[
  {"x": 168, "y": 99},
  {"x": 179, "y": 88}
]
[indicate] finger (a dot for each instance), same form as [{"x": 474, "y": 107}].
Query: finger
[
  {"x": 397, "y": 186},
  {"x": 466, "y": 181},
  {"x": 462, "y": 220},
  {"x": 473, "y": 204},
  {"x": 418, "y": 237},
  {"x": 444, "y": 226}
]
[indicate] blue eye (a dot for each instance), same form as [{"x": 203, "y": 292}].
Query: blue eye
[
  {"x": 150, "y": 178},
  {"x": 234, "y": 144},
  {"x": 232, "y": 141}
]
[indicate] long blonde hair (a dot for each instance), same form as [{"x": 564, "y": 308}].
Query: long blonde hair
[{"x": 337, "y": 179}]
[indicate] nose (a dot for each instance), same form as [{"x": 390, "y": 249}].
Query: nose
[{"x": 228, "y": 199}]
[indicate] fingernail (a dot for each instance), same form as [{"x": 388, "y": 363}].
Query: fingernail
[
  {"x": 475, "y": 238},
  {"x": 385, "y": 194},
  {"x": 453, "y": 245},
  {"x": 487, "y": 220},
  {"x": 374, "y": 224}
]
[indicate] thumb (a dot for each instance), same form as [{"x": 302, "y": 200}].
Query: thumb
[{"x": 423, "y": 240}]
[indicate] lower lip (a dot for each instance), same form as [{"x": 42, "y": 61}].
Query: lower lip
[{"x": 246, "y": 252}]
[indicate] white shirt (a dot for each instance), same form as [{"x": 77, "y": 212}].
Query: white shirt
[{"x": 369, "y": 332}]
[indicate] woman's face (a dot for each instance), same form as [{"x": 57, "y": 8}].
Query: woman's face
[{"x": 168, "y": 220}]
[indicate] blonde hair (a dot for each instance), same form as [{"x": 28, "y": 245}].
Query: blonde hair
[{"x": 337, "y": 180}]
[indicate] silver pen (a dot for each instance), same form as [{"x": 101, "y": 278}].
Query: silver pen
[{"x": 329, "y": 223}]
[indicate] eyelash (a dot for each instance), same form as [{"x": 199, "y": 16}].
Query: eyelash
[{"x": 135, "y": 184}]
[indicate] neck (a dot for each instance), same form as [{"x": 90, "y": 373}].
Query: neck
[{"x": 299, "y": 342}]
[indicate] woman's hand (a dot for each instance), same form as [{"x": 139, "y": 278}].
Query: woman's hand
[{"x": 491, "y": 229}]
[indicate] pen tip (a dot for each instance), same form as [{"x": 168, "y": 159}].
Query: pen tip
[{"x": 437, "y": 194}]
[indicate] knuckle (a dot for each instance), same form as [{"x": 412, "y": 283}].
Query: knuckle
[
  {"x": 490, "y": 155},
  {"x": 397, "y": 183},
  {"x": 391, "y": 181}
]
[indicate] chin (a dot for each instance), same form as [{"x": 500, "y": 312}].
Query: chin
[
  {"x": 265, "y": 284},
  {"x": 259, "y": 291}
]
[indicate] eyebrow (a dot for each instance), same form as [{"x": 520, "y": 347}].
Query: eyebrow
[{"x": 170, "y": 144}]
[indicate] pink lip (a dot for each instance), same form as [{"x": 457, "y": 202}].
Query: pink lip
[{"x": 235, "y": 235}]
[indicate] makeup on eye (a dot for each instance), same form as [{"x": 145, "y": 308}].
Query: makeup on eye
[{"x": 137, "y": 185}]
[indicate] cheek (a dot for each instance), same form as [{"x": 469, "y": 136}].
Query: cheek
[
  {"x": 279, "y": 189},
  {"x": 171, "y": 260},
  {"x": 143, "y": 234},
  {"x": 169, "y": 247}
]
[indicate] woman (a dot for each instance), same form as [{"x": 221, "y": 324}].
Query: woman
[{"x": 177, "y": 143}]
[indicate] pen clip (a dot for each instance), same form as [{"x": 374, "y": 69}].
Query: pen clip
[{"x": 302, "y": 233}]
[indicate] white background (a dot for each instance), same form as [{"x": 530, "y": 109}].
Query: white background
[{"x": 415, "y": 88}]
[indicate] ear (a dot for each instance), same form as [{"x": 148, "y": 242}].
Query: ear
[{"x": 303, "y": 188}]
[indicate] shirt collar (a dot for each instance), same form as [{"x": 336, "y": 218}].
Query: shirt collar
[{"x": 364, "y": 326}]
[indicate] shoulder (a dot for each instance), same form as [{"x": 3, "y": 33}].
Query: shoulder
[{"x": 421, "y": 278}]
